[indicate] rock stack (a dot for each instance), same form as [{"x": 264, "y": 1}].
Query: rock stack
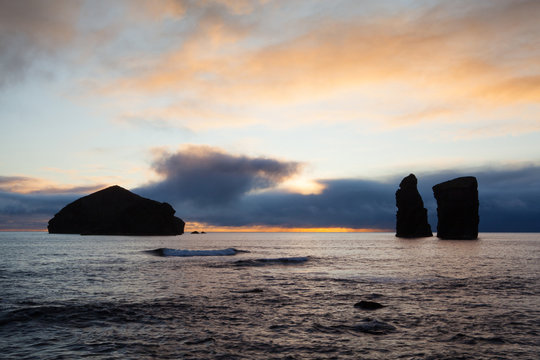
[
  {"x": 457, "y": 208},
  {"x": 411, "y": 215}
]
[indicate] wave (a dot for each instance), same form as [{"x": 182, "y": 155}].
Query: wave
[
  {"x": 273, "y": 261},
  {"x": 82, "y": 315},
  {"x": 189, "y": 253},
  {"x": 368, "y": 326},
  {"x": 473, "y": 340}
]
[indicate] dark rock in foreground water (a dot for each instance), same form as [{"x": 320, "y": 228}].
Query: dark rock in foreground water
[
  {"x": 372, "y": 326},
  {"x": 368, "y": 305},
  {"x": 252, "y": 291},
  {"x": 116, "y": 211},
  {"x": 457, "y": 208},
  {"x": 411, "y": 218}
]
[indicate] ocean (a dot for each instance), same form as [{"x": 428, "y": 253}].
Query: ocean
[{"x": 269, "y": 296}]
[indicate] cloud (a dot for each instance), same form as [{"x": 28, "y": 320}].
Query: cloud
[
  {"x": 155, "y": 123},
  {"x": 27, "y": 185},
  {"x": 509, "y": 201},
  {"x": 31, "y": 30},
  {"x": 525, "y": 88},
  {"x": 493, "y": 129},
  {"x": 73, "y": 33},
  {"x": 343, "y": 203},
  {"x": 158, "y": 9},
  {"x": 207, "y": 176},
  {"x": 28, "y": 203},
  {"x": 436, "y": 47},
  {"x": 207, "y": 186},
  {"x": 190, "y": 116},
  {"x": 30, "y": 211},
  {"x": 448, "y": 58},
  {"x": 509, "y": 196},
  {"x": 213, "y": 64}
]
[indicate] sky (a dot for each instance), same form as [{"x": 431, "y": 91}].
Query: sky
[{"x": 270, "y": 114}]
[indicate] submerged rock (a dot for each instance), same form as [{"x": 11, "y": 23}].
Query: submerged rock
[
  {"x": 251, "y": 291},
  {"x": 457, "y": 208},
  {"x": 368, "y": 305},
  {"x": 116, "y": 211},
  {"x": 376, "y": 327},
  {"x": 411, "y": 218}
]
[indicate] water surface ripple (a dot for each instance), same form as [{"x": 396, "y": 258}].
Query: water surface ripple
[{"x": 277, "y": 296}]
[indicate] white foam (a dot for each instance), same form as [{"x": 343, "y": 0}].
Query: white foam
[{"x": 187, "y": 253}]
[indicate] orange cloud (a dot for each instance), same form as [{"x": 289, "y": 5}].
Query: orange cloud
[
  {"x": 28, "y": 185},
  {"x": 523, "y": 89},
  {"x": 448, "y": 61}
]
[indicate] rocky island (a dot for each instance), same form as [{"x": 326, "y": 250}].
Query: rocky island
[
  {"x": 457, "y": 208},
  {"x": 116, "y": 211},
  {"x": 411, "y": 218}
]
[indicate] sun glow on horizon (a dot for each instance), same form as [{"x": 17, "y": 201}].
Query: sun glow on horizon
[
  {"x": 249, "y": 229},
  {"x": 260, "y": 228},
  {"x": 304, "y": 186}
]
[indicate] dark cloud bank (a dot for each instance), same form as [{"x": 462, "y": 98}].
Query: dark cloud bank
[
  {"x": 30, "y": 211},
  {"x": 217, "y": 188},
  {"x": 203, "y": 176},
  {"x": 205, "y": 185}
]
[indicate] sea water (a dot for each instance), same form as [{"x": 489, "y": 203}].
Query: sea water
[{"x": 269, "y": 296}]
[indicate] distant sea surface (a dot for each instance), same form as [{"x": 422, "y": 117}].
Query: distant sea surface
[{"x": 269, "y": 296}]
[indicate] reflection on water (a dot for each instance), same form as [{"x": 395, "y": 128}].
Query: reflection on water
[{"x": 69, "y": 296}]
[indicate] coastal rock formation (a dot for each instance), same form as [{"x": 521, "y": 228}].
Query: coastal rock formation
[
  {"x": 116, "y": 211},
  {"x": 457, "y": 208},
  {"x": 411, "y": 218}
]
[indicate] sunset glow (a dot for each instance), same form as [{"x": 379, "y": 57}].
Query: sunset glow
[{"x": 209, "y": 228}]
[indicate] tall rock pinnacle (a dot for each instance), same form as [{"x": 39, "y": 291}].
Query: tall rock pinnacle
[{"x": 411, "y": 218}]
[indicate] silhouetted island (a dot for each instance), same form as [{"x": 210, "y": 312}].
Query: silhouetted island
[
  {"x": 116, "y": 211},
  {"x": 457, "y": 208},
  {"x": 411, "y": 217}
]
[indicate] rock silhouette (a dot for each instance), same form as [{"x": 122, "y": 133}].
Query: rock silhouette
[
  {"x": 368, "y": 305},
  {"x": 411, "y": 218},
  {"x": 457, "y": 208},
  {"x": 116, "y": 211}
]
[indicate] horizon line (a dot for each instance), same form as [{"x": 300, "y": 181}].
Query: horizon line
[{"x": 253, "y": 229}]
